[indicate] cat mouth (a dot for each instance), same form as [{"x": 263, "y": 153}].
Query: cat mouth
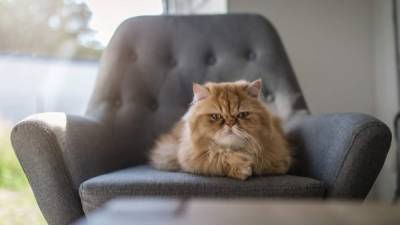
[
  {"x": 229, "y": 139},
  {"x": 229, "y": 132}
]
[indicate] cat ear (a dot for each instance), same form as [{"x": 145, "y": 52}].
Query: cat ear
[
  {"x": 199, "y": 92},
  {"x": 254, "y": 88}
]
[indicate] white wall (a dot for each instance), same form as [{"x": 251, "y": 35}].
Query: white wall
[
  {"x": 329, "y": 43},
  {"x": 343, "y": 54},
  {"x": 386, "y": 88}
]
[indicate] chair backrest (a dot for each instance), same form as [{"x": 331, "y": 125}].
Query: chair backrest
[{"x": 145, "y": 80}]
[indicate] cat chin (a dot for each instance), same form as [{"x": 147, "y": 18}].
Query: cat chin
[{"x": 230, "y": 141}]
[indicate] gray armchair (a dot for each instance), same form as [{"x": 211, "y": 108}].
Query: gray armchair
[{"x": 74, "y": 164}]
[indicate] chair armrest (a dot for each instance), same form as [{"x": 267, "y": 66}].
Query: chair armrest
[
  {"x": 345, "y": 150},
  {"x": 58, "y": 152}
]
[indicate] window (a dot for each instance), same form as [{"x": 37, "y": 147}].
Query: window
[
  {"x": 195, "y": 6},
  {"x": 50, "y": 49},
  {"x": 49, "y": 56}
]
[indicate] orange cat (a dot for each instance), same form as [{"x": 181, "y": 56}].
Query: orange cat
[{"x": 227, "y": 131}]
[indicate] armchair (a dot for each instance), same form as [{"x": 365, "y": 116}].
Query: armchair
[{"x": 74, "y": 164}]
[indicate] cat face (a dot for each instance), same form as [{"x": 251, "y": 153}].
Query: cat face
[{"x": 228, "y": 114}]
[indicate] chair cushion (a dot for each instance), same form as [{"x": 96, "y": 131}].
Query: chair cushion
[{"x": 146, "y": 181}]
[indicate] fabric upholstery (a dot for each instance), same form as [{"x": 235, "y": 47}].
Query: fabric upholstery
[
  {"x": 144, "y": 86},
  {"x": 146, "y": 181},
  {"x": 345, "y": 150}
]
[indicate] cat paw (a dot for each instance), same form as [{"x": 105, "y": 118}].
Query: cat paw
[
  {"x": 240, "y": 166},
  {"x": 241, "y": 173}
]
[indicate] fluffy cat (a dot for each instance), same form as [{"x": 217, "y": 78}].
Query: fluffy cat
[{"x": 227, "y": 131}]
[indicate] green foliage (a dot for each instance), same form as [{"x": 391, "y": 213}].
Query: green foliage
[
  {"x": 11, "y": 175},
  {"x": 47, "y": 27},
  {"x": 19, "y": 208},
  {"x": 17, "y": 203}
]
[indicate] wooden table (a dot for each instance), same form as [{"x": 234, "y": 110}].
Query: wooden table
[{"x": 241, "y": 212}]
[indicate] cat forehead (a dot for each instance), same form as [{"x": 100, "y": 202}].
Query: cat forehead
[
  {"x": 226, "y": 103},
  {"x": 227, "y": 97},
  {"x": 226, "y": 89}
]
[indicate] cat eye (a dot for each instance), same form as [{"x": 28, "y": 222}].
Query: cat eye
[
  {"x": 215, "y": 116},
  {"x": 242, "y": 115}
]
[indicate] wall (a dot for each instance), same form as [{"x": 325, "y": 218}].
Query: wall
[
  {"x": 330, "y": 45},
  {"x": 386, "y": 88},
  {"x": 342, "y": 52}
]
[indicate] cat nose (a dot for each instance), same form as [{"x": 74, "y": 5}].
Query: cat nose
[{"x": 230, "y": 122}]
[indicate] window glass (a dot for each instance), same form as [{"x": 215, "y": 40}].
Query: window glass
[
  {"x": 195, "y": 6},
  {"x": 49, "y": 52},
  {"x": 49, "y": 59}
]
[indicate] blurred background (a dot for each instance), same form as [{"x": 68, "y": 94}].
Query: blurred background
[{"x": 343, "y": 52}]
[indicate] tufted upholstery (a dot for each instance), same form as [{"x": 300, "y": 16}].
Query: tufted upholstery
[{"x": 144, "y": 84}]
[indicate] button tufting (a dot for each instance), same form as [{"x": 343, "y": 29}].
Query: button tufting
[
  {"x": 211, "y": 60},
  {"x": 270, "y": 98},
  {"x": 251, "y": 55},
  {"x": 154, "y": 106},
  {"x": 117, "y": 103}
]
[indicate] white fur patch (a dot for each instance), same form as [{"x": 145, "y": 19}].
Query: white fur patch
[
  {"x": 230, "y": 140},
  {"x": 187, "y": 115}
]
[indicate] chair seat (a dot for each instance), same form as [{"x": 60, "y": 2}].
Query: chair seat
[{"x": 146, "y": 181}]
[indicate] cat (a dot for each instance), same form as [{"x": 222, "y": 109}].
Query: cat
[{"x": 227, "y": 131}]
